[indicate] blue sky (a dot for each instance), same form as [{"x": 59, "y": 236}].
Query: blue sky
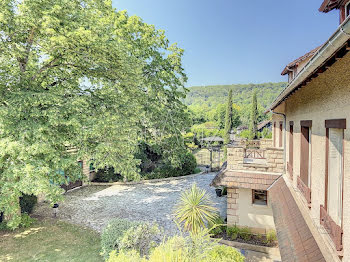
[{"x": 232, "y": 41}]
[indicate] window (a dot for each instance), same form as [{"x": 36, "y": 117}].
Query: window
[
  {"x": 347, "y": 10},
  {"x": 260, "y": 197},
  {"x": 335, "y": 174}
]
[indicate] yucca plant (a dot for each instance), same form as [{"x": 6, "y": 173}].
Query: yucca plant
[{"x": 195, "y": 210}]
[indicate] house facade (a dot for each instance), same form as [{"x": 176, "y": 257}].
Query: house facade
[
  {"x": 308, "y": 195},
  {"x": 310, "y": 121}
]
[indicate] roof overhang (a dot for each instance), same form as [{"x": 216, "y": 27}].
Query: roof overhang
[
  {"x": 326, "y": 55},
  {"x": 245, "y": 179},
  {"x": 329, "y": 5}
]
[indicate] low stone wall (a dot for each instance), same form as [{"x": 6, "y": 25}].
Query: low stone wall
[
  {"x": 274, "y": 252},
  {"x": 266, "y": 143}
]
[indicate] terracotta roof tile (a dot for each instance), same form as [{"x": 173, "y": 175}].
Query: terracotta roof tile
[
  {"x": 245, "y": 179},
  {"x": 298, "y": 60}
]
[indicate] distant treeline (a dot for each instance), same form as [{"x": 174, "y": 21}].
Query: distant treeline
[{"x": 216, "y": 94}]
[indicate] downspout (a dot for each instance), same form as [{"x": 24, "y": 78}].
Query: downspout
[{"x": 284, "y": 137}]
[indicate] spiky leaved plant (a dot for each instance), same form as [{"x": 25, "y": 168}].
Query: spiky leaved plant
[{"x": 195, "y": 209}]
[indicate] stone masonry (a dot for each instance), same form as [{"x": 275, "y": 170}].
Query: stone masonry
[{"x": 232, "y": 206}]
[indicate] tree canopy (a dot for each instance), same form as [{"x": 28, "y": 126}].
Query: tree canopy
[{"x": 79, "y": 80}]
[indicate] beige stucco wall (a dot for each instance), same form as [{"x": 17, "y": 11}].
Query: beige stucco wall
[
  {"x": 259, "y": 218},
  {"x": 325, "y": 97},
  {"x": 276, "y": 130}
]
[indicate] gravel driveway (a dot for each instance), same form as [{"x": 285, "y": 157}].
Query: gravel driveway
[{"x": 94, "y": 206}]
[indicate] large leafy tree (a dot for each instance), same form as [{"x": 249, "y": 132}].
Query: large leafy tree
[{"x": 79, "y": 80}]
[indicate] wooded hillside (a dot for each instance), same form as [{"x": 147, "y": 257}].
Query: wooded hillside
[{"x": 214, "y": 95}]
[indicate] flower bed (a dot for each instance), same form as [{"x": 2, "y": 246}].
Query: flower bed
[{"x": 242, "y": 234}]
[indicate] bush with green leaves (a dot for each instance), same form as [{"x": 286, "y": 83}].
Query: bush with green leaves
[
  {"x": 25, "y": 222},
  {"x": 233, "y": 232},
  {"x": 192, "y": 248},
  {"x": 223, "y": 253},
  {"x": 195, "y": 210},
  {"x": 217, "y": 226},
  {"x": 141, "y": 238},
  {"x": 107, "y": 175},
  {"x": 271, "y": 237},
  {"x": 27, "y": 203},
  {"x": 245, "y": 233},
  {"x": 113, "y": 234}
]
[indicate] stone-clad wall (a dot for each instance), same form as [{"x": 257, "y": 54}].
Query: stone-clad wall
[
  {"x": 232, "y": 206},
  {"x": 274, "y": 160}
]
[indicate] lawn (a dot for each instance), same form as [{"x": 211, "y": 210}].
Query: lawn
[{"x": 50, "y": 240}]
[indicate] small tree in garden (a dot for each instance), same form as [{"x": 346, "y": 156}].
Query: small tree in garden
[
  {"x": 253, "y": 128},
  {"x": 228, "y": 121},
  {"x": 195, "y": 210}
]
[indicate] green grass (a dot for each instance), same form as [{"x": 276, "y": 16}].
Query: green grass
[{"x": 50, "y": 241}]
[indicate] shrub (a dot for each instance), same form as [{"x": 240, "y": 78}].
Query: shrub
[
  {"x": 27, "y": 203},
  {"x": 189, "y": 164},
  {"x": 125, "y": 256},
  {"x": 195, "y": 209},
  {"x": 222, "y": 253},
  {"x": 107, "y": 175},
  {"x": 112, "y": 235},
  {"x": 217, "y": 226},
  {"x": 141, "y": 238},
  {"x": 245, "y": 233},
  {"x": 271, "y": 237},
  {"x": 197, "y": 170},
  {"x": 232, "y": 232},
  {"x": 196, "y": 247},
  {"x": 26, "y": 220}
]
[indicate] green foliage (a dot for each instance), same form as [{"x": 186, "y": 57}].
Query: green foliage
[
  {"x": 223, "y": 253},
  {"x": 141, "y": 238},
  {"x": 266, "y": 133},
  {"x": 107, "y": 175},
  {"x": 197, "y": 170},
  {"x": 224, "y": 191},
  {"x": 112, "y": 235},
  {"x": 245, "y": 233},
  {"x": 26, "y": 220},
  {"x": 271, "y": 237},
  {"x": 217, "y": 226},
  {"x": 81, "y": 76},
  {"x": 193, "y": 248},
  {"x": 195, "y": 209},
  {"x": 253, "y": 128},
  {"x": 27, "y": 203},
  {"x": 246, "y": 134},
  {"x": 233, "y": 232},
  {"x": 207, "y": 97},
  {"x": 188, "y": 164}
]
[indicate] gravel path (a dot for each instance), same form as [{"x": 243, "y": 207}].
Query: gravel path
[{"x": 94, "y": 206}]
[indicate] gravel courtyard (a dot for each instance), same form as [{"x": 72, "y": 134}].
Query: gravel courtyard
[{"x": 94, "y": 206}]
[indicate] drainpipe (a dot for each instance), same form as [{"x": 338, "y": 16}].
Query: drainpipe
[{"x": 284, "y": 137}]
